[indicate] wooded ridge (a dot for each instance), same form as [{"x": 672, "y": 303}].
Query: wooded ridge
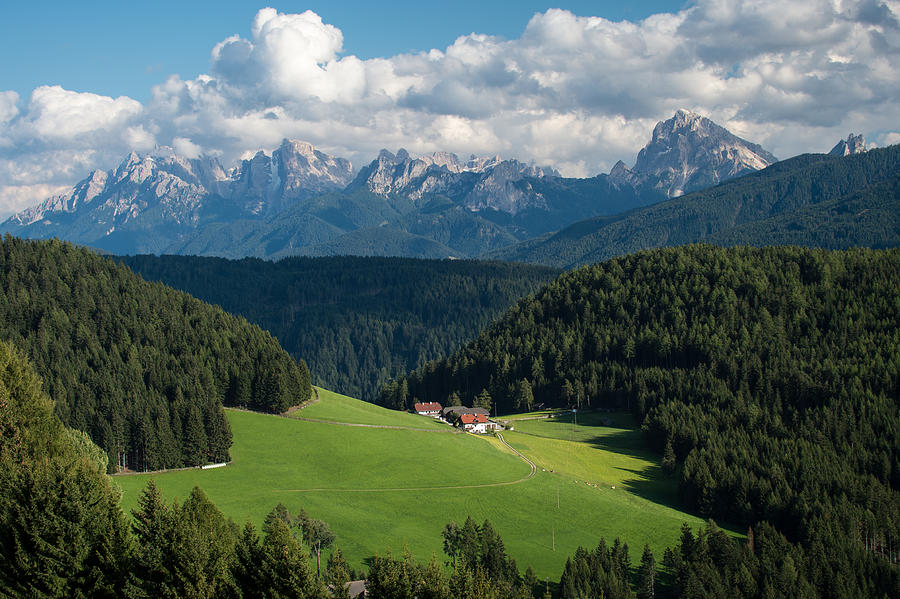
[{"x": 140, "y": 367}]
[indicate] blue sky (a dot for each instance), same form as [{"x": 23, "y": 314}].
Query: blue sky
[
  {"x": 576, "y": 86},
  {"x": 124, "y": 48}
]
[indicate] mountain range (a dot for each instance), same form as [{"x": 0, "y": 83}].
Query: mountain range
[
  {"x": 818, "y": 200},
  {"x": 298, "y": 200}
]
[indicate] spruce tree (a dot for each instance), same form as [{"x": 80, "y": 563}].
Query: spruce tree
[{"x": 646, "y": 574}]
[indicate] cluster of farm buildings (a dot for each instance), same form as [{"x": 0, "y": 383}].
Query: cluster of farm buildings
[{"x": 472, "y": 420}]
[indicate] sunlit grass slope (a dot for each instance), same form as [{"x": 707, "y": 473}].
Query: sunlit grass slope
[
  {"x": 340, "y": 408},
  {"x": 596, "y": 448},
  {"x": 381, "y": 488}
]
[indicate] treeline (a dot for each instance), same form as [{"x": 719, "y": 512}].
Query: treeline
[
  {"x": 814, "y": 199},
  {"x": 768, "y": 378},
  {"x": 63, "y": 534},
  {"x": 140, "y": 367},
  {"x": 356, "y": 321}
]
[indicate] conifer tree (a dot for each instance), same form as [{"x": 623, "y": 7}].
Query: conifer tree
[{"x": 646, "y": 575}]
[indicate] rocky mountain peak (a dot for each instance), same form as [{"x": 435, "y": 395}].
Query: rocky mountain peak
[
  {"x": 302, "y": 148},
  {"x": 689, "y": 152},
  {"x": 854, "y": 144},
  {"x": 446, "y": 160}
]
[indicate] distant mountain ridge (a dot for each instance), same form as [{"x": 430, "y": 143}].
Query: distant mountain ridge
[
  {"x": 818, "y": 200},
  {"x": 298, "y": 200},
  {"x": 477, "y": 184}
]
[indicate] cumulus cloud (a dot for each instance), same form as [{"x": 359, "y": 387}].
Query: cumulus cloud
[
  {"x": 56, "y": 114},
  {"x": 8, "y": 108},
  {"x": 574, "y": 92},
  {"x": 187, "y": 148}
]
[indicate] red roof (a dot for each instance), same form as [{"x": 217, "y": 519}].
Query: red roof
[
  {"x": 431, "y": 406},
  {"x": 473, "y": 418}
]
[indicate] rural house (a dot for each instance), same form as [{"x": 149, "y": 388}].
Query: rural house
[
  {"x": 477, "y": 423},
  {"x": 431, "y": 408}
]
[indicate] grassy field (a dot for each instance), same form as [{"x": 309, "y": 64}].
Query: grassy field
[
  {"x": 597, "y": 448},
  {"x": 340, "y": 408},
  {"x": 381, "y": 488}
]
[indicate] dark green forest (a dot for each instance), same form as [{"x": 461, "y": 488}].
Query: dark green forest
[
  {"x": 140, "y": 367},
  {"x": 356, "y": 321},
  {"x": 769, "y": 379},
  {"x": 814, "y": 199}
]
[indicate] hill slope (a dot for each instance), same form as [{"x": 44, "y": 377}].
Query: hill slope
[
  {"x": 810, "y": 183},
  {"x": 397, "y": 487},
  {"x": 772, "y": 374},
  {"x": 357, "y": 321},
  {"x": 142, "y": 368}
]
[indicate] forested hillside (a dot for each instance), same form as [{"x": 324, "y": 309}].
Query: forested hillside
[
  {"x": 140, "y": 367},
  {"x": 815, "y": 199},
  {"x": 769, "y": 378},
  {"x": 62, "y": 533},
  {"x": 357, "y": 321}
]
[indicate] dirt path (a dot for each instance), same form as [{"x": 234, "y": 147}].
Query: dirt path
[{"x": 520, "y": 454}]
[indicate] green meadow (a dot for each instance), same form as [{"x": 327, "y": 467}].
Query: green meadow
[
  {"x": 596, "y": 448},
  {"x": 386, "y": 488},
  {"x": 340, "y": 408}
]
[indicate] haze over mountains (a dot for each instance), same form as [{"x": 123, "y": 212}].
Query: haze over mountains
[{"x": 297, "y": 200}]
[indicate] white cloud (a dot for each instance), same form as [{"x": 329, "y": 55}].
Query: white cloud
[
  {"x": 8, "y": 106},
  {"x": 890, "y": 139},
  {"x": 57, "y": 114},
  {"x": 187, "y": 148},
  {"x": 14, "y": 197},
  {"x": 575, "y": 92}
]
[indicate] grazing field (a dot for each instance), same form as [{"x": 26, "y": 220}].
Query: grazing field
[
  {"x": 594, "y": 447},
  {"x": 340, "y": 408},
  {"x": 381, "y": 488}
]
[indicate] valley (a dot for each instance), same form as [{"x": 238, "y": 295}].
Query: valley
[
  {"x": 384, "y": 488},
  {"x": 603, "y": 243}
]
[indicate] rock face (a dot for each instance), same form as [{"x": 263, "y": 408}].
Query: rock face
[
  {"x": 486, "y": 183},
  {"x": 854, "y": 144},
  {"x": 108, "y": 199},
  {"x": 167, "y": 196},
  {"x": 690, "y": 152},
  {"x": 267, "y": 184}
]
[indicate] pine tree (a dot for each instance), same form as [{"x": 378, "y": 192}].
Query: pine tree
[
  {"x": 669, "y": 464},
  {"x": 249, "y": 569},
  {"x": 646, "y": 575},
  {"x": 285, "y": 560},
  {"x": 524, "y": 396},
  {"x": 154, "y": 529},
  {"x": 337, "y": 575},
  {"x": 483, "y": 400}
]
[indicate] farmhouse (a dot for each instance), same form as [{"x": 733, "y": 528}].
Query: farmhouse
[
  {"x": 476, "y": 423},
  {"x": 431, "y": 408}
]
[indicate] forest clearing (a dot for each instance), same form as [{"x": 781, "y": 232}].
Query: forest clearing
[{"x": 386, "y": 488}]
